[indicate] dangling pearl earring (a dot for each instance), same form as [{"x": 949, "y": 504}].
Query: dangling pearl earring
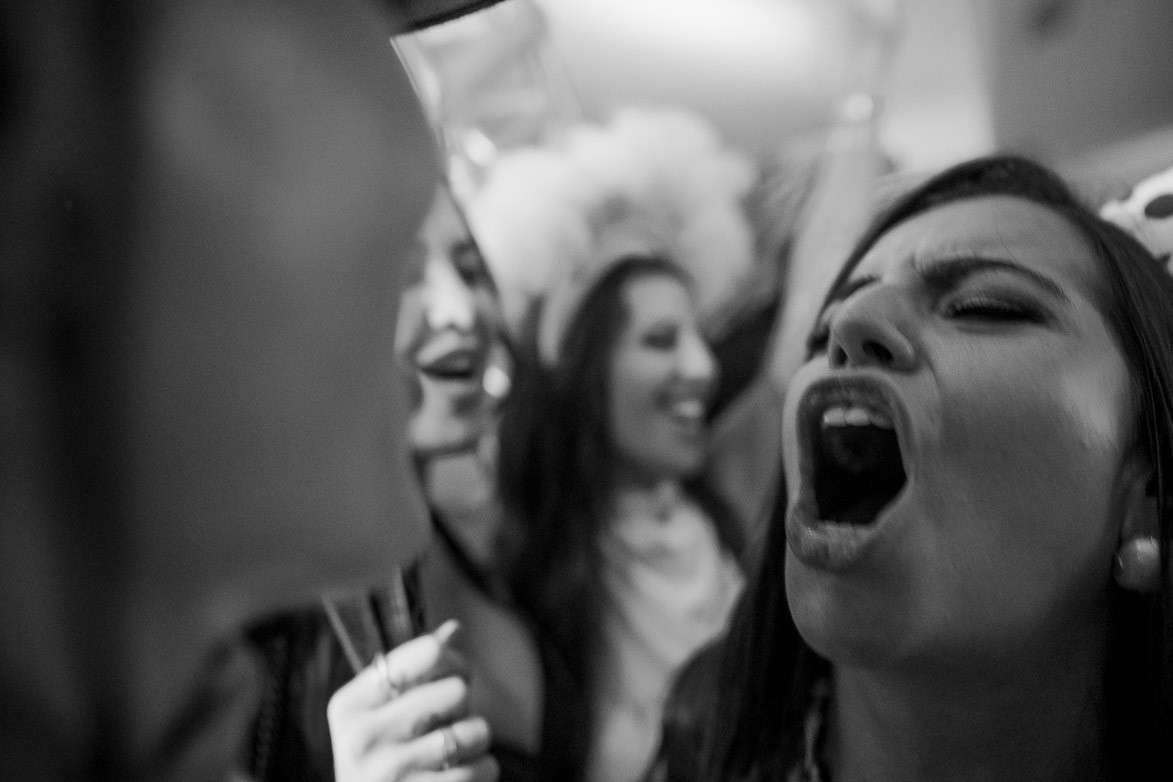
[{"x": 1138, "y": 564}]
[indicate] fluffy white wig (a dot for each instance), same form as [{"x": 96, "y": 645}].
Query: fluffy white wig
[{"x": 551, "y": 220}]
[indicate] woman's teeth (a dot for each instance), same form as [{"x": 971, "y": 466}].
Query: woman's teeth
[
  {"x": 854, "y": 415},
  {"x": 458, "y": 365}
]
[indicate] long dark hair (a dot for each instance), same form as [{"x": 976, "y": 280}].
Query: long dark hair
[
  {"x": 767, "y": 671},
  {"x": 554, "y": 471}
]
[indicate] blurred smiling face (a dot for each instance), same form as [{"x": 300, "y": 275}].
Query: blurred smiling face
[
  {"x": 446, "y": 332},
  {"x": 661, "y": 381},
  {"x": 958, "y": 447}
]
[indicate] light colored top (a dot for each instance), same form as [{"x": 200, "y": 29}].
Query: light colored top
[{"x": 668, "y": 589}]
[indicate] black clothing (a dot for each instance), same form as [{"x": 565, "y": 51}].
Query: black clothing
[{"x": 305, "y": 664}]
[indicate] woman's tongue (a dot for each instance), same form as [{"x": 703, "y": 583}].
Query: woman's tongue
[{"x": 859, "y": 472}]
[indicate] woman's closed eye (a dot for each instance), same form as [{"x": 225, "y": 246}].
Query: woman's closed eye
[
  {"x": 991, "y": 308},
  {"x": 990, "y": 290},
  {"x": 970, "y": 307}
]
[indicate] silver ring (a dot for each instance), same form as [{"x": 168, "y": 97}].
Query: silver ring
[
  {"x": 392, "y": 689},
  {"x": 450, "y": 753}
]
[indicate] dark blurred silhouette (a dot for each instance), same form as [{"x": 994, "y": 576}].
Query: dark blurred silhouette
[{"x": 204, "y": 208}]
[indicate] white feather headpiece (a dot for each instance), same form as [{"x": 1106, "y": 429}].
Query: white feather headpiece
[{"x": 552, "y": 220}]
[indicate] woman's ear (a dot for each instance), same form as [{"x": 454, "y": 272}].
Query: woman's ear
[{"x": 1138, "y": 556}]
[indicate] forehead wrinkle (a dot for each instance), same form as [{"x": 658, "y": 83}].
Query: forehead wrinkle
[
  {"x": 1065, "y": 245},
  {"x": 947, "y": 260},
  {"x": 1045, "y": 280},
  {"x": 976, "y": 240},
  {"x": 1009, "y": 254}
]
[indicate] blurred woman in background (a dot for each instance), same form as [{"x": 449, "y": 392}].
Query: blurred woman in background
[
  {"x": 596, "y": 470},
  {"x": 604, "y": 246}
]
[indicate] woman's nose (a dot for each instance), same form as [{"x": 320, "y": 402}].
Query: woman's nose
[
  {"x": 448, "y": 302},
  {"x": 696, "y": 360},
  {"x": 868, "y": 329}
]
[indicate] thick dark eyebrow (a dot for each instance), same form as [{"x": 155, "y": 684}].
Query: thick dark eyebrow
[{"x": 947, "y": 274}]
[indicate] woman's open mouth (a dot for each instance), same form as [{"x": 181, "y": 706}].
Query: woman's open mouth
[
  {"x": 851, "y": 469},
  {"x": 452, "y": 358},
  {"x": 457, "y": 365},
  {"x": 686, "y": 408}
]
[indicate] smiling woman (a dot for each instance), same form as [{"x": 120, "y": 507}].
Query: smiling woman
[
  {"x": 448, "y": 326},
  {"x": 662, "y": 377},
  {"x": 970, "y": 581},
  {"x": 627, "y": 563},
  {"x": 608, "y": 249}
]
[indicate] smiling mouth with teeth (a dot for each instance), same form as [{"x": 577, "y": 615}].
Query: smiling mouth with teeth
[
  {"x": 857, "y": 467},
  {"x": 452, "y": 369},
  {"x": 461, "y": 364}
]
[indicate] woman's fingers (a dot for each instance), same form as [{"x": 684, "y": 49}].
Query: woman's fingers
[
  {"x": 462, "y": 744},
  {"x": 419, "y": 660},
  {"x": 418, "y": 711},
  {"x": 405, "y": 717},
  {"x": 472, "y": 739}
]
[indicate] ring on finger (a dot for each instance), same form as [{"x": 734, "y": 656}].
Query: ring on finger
[
  {"x": 450, "y": 751},
  {"x": 391, "y": 688}
]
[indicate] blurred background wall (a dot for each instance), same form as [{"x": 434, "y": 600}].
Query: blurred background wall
[
  {"x": 1084, "y": 84},
  {"x": 770, "y": 70}
]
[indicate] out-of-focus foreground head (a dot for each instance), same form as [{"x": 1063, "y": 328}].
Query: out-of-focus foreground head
[{"x": 206, "y": 212}]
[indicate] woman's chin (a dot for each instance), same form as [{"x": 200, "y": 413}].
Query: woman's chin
[
  {"x": 442, "y": 434},
  {"x": 839, "y": 622},
  {"x": 687, "y": 460}
]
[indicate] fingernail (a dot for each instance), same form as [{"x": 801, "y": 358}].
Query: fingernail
[{"x": 444, "y": 632}]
